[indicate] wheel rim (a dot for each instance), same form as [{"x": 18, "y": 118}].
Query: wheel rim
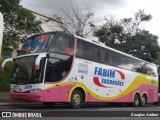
[
  {"x": 136, "y": 101},
  {"x": 143, "y": 100},
  {"x": 76, "y": 99}
]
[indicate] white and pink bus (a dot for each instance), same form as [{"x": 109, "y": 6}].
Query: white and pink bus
[
  {"x": 1, "y": 32},
  {"x": 60, "y": 67}
]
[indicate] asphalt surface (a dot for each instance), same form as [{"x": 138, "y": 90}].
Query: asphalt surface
[{"x": 100, "y": 111}]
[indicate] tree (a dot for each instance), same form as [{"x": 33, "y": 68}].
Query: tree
[
  {"x": 18, "y": 24},
  {"x": 77, "y": 19},
  {"x": 126, "y": 35},
  {"x": 143, "y": 45}
]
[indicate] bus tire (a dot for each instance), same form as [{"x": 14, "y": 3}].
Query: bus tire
[
  {"x": 76, "y": 99},
  {"x": 136, "y": 102},
  {"x": 48, "y": 104},
  {"x": 143, "y": 100}
]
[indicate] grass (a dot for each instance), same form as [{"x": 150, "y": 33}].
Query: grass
[{"x": 4, "y": 95}]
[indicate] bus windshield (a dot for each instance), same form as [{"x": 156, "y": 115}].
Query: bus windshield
[
  {"x": 37, "y": 44},
  {"x": 24, "y": 73}
]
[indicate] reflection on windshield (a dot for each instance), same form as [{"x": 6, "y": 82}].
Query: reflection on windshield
[
  {"x": 23, "y": 72},
  {"x": 37, "y": 44}
]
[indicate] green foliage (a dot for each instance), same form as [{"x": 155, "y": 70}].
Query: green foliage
[
  {"x": 19, "y": 23},
  {"x": 126, "y": 36},
  {"x": 4, "y": 95},
  {"x": 144, "y": 45},
  {"x": 5, "y": 76}
]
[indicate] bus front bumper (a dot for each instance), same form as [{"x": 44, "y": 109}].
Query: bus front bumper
[{"x": 28, "y": 97}]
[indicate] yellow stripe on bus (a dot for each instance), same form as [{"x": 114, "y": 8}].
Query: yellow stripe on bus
[{"x": 139, "y": 81}]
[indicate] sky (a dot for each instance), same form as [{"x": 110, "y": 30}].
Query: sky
[{"x": 103, "y": 8}]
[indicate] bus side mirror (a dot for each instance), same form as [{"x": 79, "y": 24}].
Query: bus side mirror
[
  {"x": 37, "y": 61},
  {"x": 4, "y": 63}
]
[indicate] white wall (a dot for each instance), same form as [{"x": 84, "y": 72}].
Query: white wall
[{"x": 51, "y": 25}]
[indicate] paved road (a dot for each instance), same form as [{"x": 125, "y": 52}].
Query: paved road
[
  {"x": 27, "y": 106},
  {"x": 88, "y": 110}
]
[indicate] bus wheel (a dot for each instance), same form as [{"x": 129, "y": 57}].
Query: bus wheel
[
  {"x": 143, "y": 100},
  {"x": 48, "y": 104},
  {"x": 76, "y": 99},
  {"x": 136, "y": 101}
]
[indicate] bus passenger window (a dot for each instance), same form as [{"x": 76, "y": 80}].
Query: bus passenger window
[
  {"x": 79, "y": 51},
  {"x": 138, "y": 65},
  {"x": 127, "y": 63},
  {"x": 88, "y": 50},
  {"x": 116, "y": 59},
  {"x": 84, "y": 50},
  {"x": 63, "y": 45},
  {"x": 57, "y": 46},
  {"x": 102, "y": 56},
  {"x": 151, "y": 70},
  {"x": 96, "y": 54},
  {"x": 107, "y": 57}
]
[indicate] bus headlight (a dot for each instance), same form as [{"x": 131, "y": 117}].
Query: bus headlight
[{"x": 35, "y": 90}]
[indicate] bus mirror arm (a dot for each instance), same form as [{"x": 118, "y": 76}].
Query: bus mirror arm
[
  {"x": 4, "y": 63},
  {"x": 37, "y": 61}
]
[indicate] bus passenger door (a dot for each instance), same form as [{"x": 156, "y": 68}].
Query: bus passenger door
[
  {"x": 58, "y": 66},
  {"x": 52, "y": 76}
]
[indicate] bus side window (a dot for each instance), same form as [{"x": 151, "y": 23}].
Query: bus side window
[
  {"x": 102, "y": 55},
  {"x": 84, "y": 50},
  {"x": 116, "y": 59},
  {"x": 127, "y": 63},
  {"x": 145, "y": 68},
  {"x": 63, "y": 45},
  {"x": 79, "y": 51},
  {"x": 96, "y": 54},
  {"x": 151, "y": 70},
  {"x": 88, "y": 50},
  {"x": 57, "y": 46},
  {"x": 107, "y": 59},
  {"x": 140, "y": 66},
  {"x": 137, "y": 66}
]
